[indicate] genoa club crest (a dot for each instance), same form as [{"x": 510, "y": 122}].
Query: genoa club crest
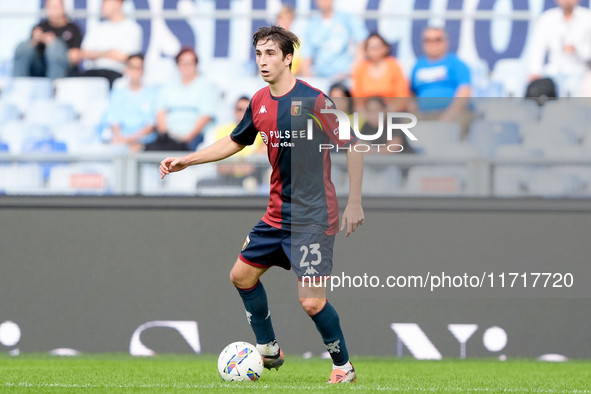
[{"x": 296, "y": 108}]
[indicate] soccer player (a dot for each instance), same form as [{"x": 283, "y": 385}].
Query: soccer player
[{"x": 299, "y": 227}]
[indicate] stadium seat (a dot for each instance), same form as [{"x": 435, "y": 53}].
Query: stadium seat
[
  {"x": 511, "y": 181},
  {"x": 489, "y": 89},
  {"x": 82, "y": 178},
  {"x": 21, "y": 179},
  {"x": 44, "y": 146},
  {"x": 8, "y": 112},
  {"x": 587, "y": 143},
  {"x": 436, "y": 181},
  {"x": 49, "y": 112},
  {"x": 568, "y": 114},
  {"x": 517, "y": 152},
  {"x": 42, "y": 141},
  {"x": 479, "y": 73},
  {"x": 513, "y": 74},
  {"x": 545, "y": 136},
  {"x": 14, "y": 133},
  {"x": 181, "y": 183},
  {"x": 431, "y": 134},
  {"x": 485, "y": 137},
  {"x": 79, "y": 137},
  {"x": 458, "y": 150},
  {"x": 481, "y": 84},
  {"x": 507, "y": 110},
  {"x": 21, "y": 91},
  {"x": 149, "y": 179},
  {"x": 564, "y": 152},
  {"x": 81, "y": 93},
  {"x": 382, "y": 182},
  {"x": 560, "y": 181},
  {"x": 92, "y": 114}
]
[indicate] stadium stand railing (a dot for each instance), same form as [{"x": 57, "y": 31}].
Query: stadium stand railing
[{"x": 402, "y": 175}]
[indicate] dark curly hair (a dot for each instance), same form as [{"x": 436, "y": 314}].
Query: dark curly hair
[{"x": 286, "y": 40}]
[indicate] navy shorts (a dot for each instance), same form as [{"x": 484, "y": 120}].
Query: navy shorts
[{"x": 309, "y": 254}]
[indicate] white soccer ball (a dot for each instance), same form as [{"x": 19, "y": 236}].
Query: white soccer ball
[{"x": 240, "y": 362}]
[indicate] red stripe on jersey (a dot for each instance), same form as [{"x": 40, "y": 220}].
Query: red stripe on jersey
[
  {"x": 331, "y": 122},
  {"x": 332, "y": 204},
  {"x": 266, "y": 121}
]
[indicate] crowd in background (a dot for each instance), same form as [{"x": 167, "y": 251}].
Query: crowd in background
[{"x": 335, "y": 45}]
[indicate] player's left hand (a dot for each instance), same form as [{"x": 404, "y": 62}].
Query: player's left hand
[
  {"x": 172, "y": 164},
  {"x": 352, "y": 217}
]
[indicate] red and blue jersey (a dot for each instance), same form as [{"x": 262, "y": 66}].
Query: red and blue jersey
[{"x": 302, "y": 195}]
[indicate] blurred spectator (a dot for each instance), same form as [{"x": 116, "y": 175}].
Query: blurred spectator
[
  {"x": 325, "y": 49},
  {"x": 226, "y": 129},
  {"x": 230, "y": 173},
  {"x": 131, "y": 112},
  {"x": 54, "y": 48},
  {"x": 107, "y": 46},
  {"x": 285, "y": 19},
  {"x": 441, "y": 82},
  {"x": 341, "y": 95},
  {"x": 373, "y": 107},
  {"x": 379, "y": 74},
  {"x": 564, "y": 34},
  {"x": 185, "y": 107}
]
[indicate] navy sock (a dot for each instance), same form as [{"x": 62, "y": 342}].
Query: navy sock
[
  {"x": 329, "y": 327},
  {"x": 257, "y": 312}
]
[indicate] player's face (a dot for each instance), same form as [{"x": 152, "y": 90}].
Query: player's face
[
  {"x": 270, "y": 60},
  {"x": 434, "y": 43}
]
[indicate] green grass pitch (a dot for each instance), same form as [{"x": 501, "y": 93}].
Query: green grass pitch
[{"x": 116, "y": 373}]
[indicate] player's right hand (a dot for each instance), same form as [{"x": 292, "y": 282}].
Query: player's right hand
[{"x": 172, "y": 164}]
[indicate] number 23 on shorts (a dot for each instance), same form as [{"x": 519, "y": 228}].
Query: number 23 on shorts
[{"x": 311, "y": 251}]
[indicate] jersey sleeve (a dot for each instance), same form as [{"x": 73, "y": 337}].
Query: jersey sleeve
[
  {"x": 330, "y": 123},
  {"x": 245, "y": 133}
]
